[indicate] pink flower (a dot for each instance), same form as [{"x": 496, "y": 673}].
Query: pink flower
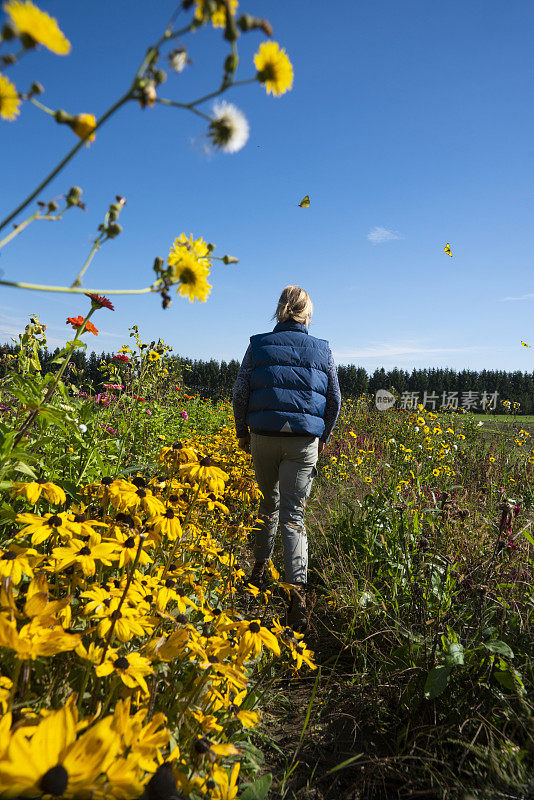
[{"x": 184, "y": 414}]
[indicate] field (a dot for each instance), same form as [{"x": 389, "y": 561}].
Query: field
[{"x": 127, "y": 627}]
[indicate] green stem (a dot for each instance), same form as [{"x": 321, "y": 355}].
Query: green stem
[
  {"x": 40, "y": 105},
  {"x": 64, "y": 161},
  {"x": 51, "y": 389},
  {"x": 18, "y": 665},
  {"x": 37, "y": 287},
  {"x": 78, "y": 279},
  {"x": 218, "y": 92},
  {"x": 176, "y": 104},
  {"x": 18, "y": 229}
]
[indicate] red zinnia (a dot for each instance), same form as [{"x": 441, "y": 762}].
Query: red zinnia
[
  {"x": 100, "y": 301},
  {"x": 121, "y": 357},
  {"x": 77, "y": 322}
]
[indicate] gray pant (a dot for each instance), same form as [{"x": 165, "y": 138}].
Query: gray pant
[{"x": 285, "y": 469}]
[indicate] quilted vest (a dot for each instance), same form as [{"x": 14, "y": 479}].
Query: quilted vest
[{"x": 288, "y": 382}]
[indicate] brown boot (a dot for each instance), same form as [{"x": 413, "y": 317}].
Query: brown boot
[
  {"x": 297, "y": 618},
  {"x": 258, "y": 577}
]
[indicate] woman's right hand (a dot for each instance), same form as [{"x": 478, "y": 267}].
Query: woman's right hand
[{"x": 244, "y": 443}]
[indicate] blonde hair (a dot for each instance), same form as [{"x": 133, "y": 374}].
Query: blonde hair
[{"x": 294, "y": 304}]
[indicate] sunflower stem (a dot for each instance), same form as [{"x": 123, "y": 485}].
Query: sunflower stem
[{"x": 15, "y": 679}]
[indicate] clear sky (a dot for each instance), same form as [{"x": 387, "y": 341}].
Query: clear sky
[{"x": 410, "y": 124}]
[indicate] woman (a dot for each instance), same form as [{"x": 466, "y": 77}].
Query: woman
[{"x": 286, "y": 402}]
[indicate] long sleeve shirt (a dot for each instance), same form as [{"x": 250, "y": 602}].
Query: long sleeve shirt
[{"x": 242, "y": 394}]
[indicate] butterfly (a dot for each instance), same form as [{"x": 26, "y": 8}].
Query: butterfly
[
  {"x": 447, "y": 249},
  {"x": 525, "y": 344},
  {"x": 305, "y": 202}
]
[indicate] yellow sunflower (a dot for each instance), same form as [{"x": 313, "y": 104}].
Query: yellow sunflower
[
  {"x": 190, "y": 273},
  {"x": 275, "y": 70},
  {"x": 9, "y": 99},
  {"x": 38, "y": 25}
]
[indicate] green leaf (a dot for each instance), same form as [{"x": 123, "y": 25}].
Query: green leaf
[
  {"x": 454, "y": 656},
  {"x": 25, "y": 469},
  {"x": 257, "y": 790},
  {"x": 499, "y": 647},
  {"x": 437, "y": 681}
]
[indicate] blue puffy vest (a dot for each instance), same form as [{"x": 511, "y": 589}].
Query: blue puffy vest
[{"x": 288, "y": 382}]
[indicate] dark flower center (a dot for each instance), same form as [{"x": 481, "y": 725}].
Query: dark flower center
[
  {"x": 54, "y": 521},
  {"x": 181, "y": 592},
  {"x": 211, "y": 496},
  {"x": 79, "y": 518},
  {"x": 9, "y": 555},
  {"x": 174, "y": 498},
  {"x": 139, "y": 482},
  {"x": 116, "y": 583},
  {"x": 149, "y": 598},
  {"x": 177, "y": 446},
  {"x": 206, "y": 462},
  {"x": 121, "y": 663},
  {"x": 202, "y": 745},
  {"x": 54, "y": 781},
  {"x": 254, "y": 627},
  {"x": 181, "y": 618},
  {"x": 130, "y": 542},
  {"x": 40, "y": 481},
  {"x": 126, "y": 519},
  {"x": 213, "y": 659},
  {"x": 169, "y": 514},
  {"x": 106, "y": 481},
  {"x": 85, "y": 538},
  {"x": 141, "y": 493},
  {"x": 85, "y": 551},
  {"x": 169, "y": 583},
  {"x": 116, "y": 614}
]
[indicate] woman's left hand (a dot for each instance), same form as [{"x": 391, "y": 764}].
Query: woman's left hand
[{"x": 244, "y": 443}]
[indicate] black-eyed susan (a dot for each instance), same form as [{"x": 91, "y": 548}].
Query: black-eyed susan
[
  {"x": 167, "y": 524},
  {"x": 226, "y": 787},
  {"x": 86, "y": 554},
  {"x": 130, "y": 668},
  {"x": 206, "y": 474},
  {"x": 49, "y": 759},
  {"x": 15, "y": 562},
  {"x": 39, "y": 26},
  {"x": 33, "y": 490},
  {"x": 35, "y": 639},
  {"x": 9, "y": 99},
  {"x": 275, "y": 70},
  {"x": 127, "y": 621},
  {"x": 301, "y": 654},
  {"x": 45, "y": 527},
  {"x": 252, "y": 636},
  {"x": 177, "y": 453},
  {"x": 127, "y": 546},
  {"x": 127, "y": 496}
]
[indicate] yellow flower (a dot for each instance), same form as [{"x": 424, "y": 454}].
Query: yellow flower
[
  {"x": 218, "y": 16},
  {"x": 84, "y": 124},
  {"x": 131, "y": 669},
  {"x": 153, "y": 356},
  {"x": 42, "y": 528},
  {"x": 35, "y": 639},
  {"x": 9, "y": 99},
  {"x": 206, "y": 474},
  {"x": 190, "y": 272},
  {"x": 226, "y": 788},
  {"x": 52, "y": 760},
  {"x": 14, "y": 563},
  {"x": 38, "y": 25},
  {"x": 33, "y": 491},
  {"x": 274, "y": 68},
  {"x": 85, "y": 554}
]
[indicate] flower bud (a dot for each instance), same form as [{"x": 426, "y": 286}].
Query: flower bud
[
  {"x": 8, "y": 60},
  {"x": 63, "y": 117},
  {"x": 35, "y": 89},
  {"x": 230, "y": 260},
  {"x": 52, "y": 206},
  {"x": 230, "y": 63},
  {"x": 8, "y": 32},
  {"x": 113, "y": 230},
  {"x": 74, "y": 196},
  {"x": 158, "y": 265},
  {"x": 160, "y": 76},
  {"x": 231, "y": 34},
  {"x": 211, "y": 247},
  {"x": 27, "y": 41},
  {"x": 249, "y": 23}
]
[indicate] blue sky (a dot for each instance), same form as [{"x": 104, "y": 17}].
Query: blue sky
[{"x": 409, "y": 125}]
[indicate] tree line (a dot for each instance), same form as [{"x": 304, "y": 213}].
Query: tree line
[{"x": 467, "y": 388}]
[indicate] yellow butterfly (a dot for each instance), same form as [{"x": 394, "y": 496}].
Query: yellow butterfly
[
  {"x": 525, "y": 344},
  {"x": 447, "y": 249},
  {"x": 305, "y": 202}
]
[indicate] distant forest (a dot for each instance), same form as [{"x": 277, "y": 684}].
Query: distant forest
[{"x": 434, "y": 387}]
